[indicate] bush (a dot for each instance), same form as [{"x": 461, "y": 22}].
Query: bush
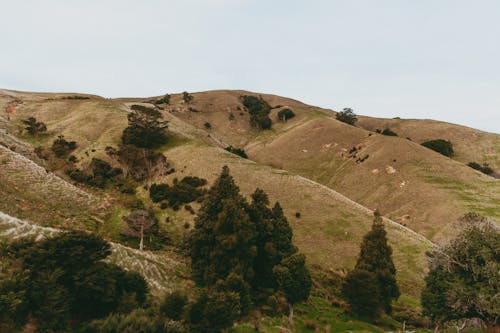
[
  {"x": 388, "y": 132},
  {"x": 285, "y": 114},
  {"x": 485, "y": 168},
  {"x": 62, "y": 148},
  {"x": 98, "y": 174},
  {"x": 207, "y": 125},
  {"x": 259, "y": 111},
  {"x": 347, "y": 116},
  {"x": 34, "y": 127},
  {"x": 187, "y": 97},
  {"x": 237, "y": 151},
  {"x": 183, "y": 192},
  {"x": 444, "y": 147},
  {"x": 173, "y": 305},
  {"x": 164, "y": 100}
]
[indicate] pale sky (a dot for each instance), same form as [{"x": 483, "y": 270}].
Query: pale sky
[{"x": 436, "y": 59}]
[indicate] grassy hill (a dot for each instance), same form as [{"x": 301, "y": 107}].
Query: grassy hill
[{"x": 331, "y": 173}]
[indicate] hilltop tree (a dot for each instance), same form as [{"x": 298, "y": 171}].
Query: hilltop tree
[
  {"x": 347, "y": 116},
  {"x": 463, "y": 278},
  {"x": 34, "y": 127},
  {"x": 141, "y": 223},
  {"x": 187, "y": 97},
  {"x": 146, "y": 128},
  {"x": 376, "y": 257}
]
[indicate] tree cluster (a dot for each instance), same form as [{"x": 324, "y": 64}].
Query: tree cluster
[
  {"x": 62, "y": 281},
  {"x": 371, "y": 287},
  {"x": 463, "y": 281},
  {"x": 259, "y": 111},
  {"x": 244, "y": 251},
  {"x": 183, "y": 192},
  {"x": 444, "y": 147},
  {"x": 98, "y": 173},
  {"x": 146, "y": 128},
  {"x": 347, "y": 116}
]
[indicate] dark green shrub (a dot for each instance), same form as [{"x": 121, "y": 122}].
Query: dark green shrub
[
  {"x": 164, "y": 100},
  {"x": 444, "y": 147},
  {"x": 388, "y": 132},
  {"x": 347, "y": 116},
  {"x": 237, "y": 151},
  {"x": 187, "y": 97},
  {"x": 62, "y": 148},
  {"x": 485, "y": 168},
  {"x": 285, "y": 114},
  {"x": 185, "y": 191},
  {"x": 34, "y": 127},
  {"x": 207, "y": 125}
]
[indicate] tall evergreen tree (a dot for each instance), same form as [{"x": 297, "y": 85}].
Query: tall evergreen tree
[
  {"x": 376, "y": 257},
  {"x": 222, "y": 243}
]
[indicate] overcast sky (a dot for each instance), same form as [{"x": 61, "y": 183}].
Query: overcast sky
[{"x": 435, "y": 59}]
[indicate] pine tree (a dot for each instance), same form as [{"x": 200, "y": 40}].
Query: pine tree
[
  {"x": 376, "y": 257},
  {"x": 222, "y": 243},
  {"x": 361, "y": 290}
]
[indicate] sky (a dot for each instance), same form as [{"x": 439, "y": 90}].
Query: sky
[{"x": 437, "y": 59}]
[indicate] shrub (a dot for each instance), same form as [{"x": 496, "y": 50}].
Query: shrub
[
  {"x": 388, "y": 132},
  {"x": 237, "y": 151},
  {"x": 183, "y": 192},
  {"x": 187, "y": 97},
  {"x": 444, "y": 147},
  {"x": 297, "y": 215},
  {"x": 62, "y": 148},
  {"x": 34, "y": 127},
  {"x": 173, "y": 305},
  {"x": 207, "y": 125},
  {"x": 485, "y": 168},
  {"x": 97, "y": 175},
  {"x": 347, "y": 116},
  {"x": 164, "y": 100},
  {"x": 259, "y": 111},
  {"x": 285, "y": 114}
]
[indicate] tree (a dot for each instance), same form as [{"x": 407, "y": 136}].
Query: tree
[
  {"x": 259, "y": 111},
  {"x": 146, "y": 128},
  {"x": 173, "y": 305},
  {"x": 187, "y": 97},
  {"x": 361, "y": 290},
  {"x": 444, "y": 147},
  {"x": 141, "y": 223},
  {"x": 64, "y": 280},
  {"x": 347, "y": 116},
  {"x": 463, "y": 278},
  {"x": 285, "y": 114},
  {"x": 223, "y": 239},
  {"x": 388, "y": 132},
  {"x": 237, "y": 151},
  {"x": 376, "y": 257},
  {"x": 293, "y": 279},
  {"x": 34, "y": 127}
]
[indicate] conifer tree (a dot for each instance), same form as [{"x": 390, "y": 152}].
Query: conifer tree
[
  {"x": 222, "y": 243},
  {"x": 376, "y": 257}
]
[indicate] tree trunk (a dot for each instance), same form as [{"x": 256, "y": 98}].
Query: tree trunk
[
  {"x": 436, "y": 329},
  {"x": 141, "y": 243},
  {"x": 290, "y": 313}
]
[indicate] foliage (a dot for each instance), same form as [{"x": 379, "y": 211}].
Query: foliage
[
  {"x": 444, "y": 147},
  {"x": 463, "y": 277},
  {"x": 485, "y": 168},
  {"x": 98, "y": 174},
  {"x": 207, "y": 125},
  {"x": 164, "y": 100},
  {"x": 285, "y": 114},
  {"x": 185, "y": 191},
  {"x": 146, "y": 128},
  {"x": 376, "y": 257},
  {"x": 347, "y": 116},
  {"x": 173, "y": 305},
  {"x": 259, "y": 111},
  {"x": 63, "y": 280},
  {"x": 62, "y": 148},
  {"x": 361, "y": 291},
  {"x": 388, "y": 132},
  {"x": 187, "y": 97},
  {"x": 34, "y": 127},
  {"x": 293, "y": 278},
  {"x": 237, "y": 151}
]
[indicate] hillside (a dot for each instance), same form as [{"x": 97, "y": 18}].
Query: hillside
[{"x": 333, "y": 174}]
